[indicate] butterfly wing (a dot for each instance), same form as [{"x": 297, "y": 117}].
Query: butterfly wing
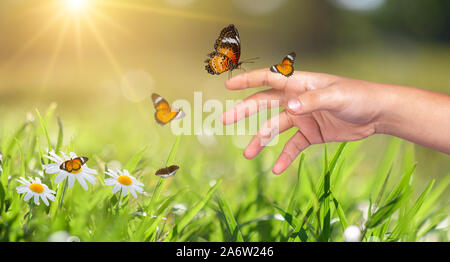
[
  {"x": 219, "y": 63},
  {"x": 229, "y": 43},
  {"x": 227, "y": 52},
  {"x": 64, "y": 166},
  {"x": 167, "y": 171},
  {"x": 77, "y": 163},
  {"x": 286, "y": 67}
]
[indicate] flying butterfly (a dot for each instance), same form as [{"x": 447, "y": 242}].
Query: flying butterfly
[
  {"x": 73, "y": 165},
  {"x": 167, "y": 171},
  {"x": 226, "y": 54},
  {"x": 286, "y": 67},
  {"x": 164, "y": 113}
]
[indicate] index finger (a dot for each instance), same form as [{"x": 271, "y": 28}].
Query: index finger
[{"x": 257, "y": 78}]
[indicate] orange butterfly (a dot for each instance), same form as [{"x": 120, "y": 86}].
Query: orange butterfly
[
  {"x": 164, "y": 114},
  {"x": 286, "y": 67},
  {"x": 74, "y": 165},
  {"x": 167, "y": 171},
  {"x": 226, "y": 54},
  {"x": 227, "y": 51}
]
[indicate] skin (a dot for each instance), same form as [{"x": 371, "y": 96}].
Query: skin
[{"x": 327, "y": 108}]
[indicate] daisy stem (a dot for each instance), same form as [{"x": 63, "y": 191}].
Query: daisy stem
[
  {"x": 118, "y": 203},
  {"x": 29, "y": 215},
  {"x": 62, "y": 195}
]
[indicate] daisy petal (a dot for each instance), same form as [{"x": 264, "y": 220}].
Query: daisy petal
[
  {"x": 36, "y": 199},
  {"x": 138, "y": 189},
  {"x": 27, "y": 196},
  {"x": 82, "y": 182},
  {"x": 60, "y": 177},
  {"x": 44, "y": 198},
  {"x": 116, "y": 188},
  {"x": 131, "y": 189},
  {"x": 89, "y": 170},
  {"x": 110, "y": 181},
  {"x": 50, "y": 196},
  {"x": 111, "y": 173},
  {"x": 22, "y": 189},
  {"x": 71, "y": 181},
  {"x": 51, "y": 168},
  {"x": 65, "y": 156},
  {"x": 91, "y": 179}
]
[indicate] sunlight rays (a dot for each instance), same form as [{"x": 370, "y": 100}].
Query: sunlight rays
[
  {"x": 173, "y": 12},
  {"x": 56, "y": 51},
  {"x": 81, "y": 19},
  {"x": 28, "y": 44},
  {"x": 104, "y": 47}
]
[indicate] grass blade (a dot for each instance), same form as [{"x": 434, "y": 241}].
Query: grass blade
[
  {"x": 192, "y": 213},
  {"x": 230, "y": 220}
]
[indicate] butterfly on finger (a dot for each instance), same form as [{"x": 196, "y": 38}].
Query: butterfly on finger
[
  {"x": 286, "y": 67},
  {"x": 164, "y": 113}
]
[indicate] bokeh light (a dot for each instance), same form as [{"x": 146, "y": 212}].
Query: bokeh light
[{"x": 359, "y": 5}]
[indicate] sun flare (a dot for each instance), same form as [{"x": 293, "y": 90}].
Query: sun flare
[{"x": 76, "y": 6}]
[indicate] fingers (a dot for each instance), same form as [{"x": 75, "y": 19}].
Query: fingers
[
  {"x": 314, "y": 100},
  {"x": 296, "y": 144},
  {"x": 252, "y": 104},
  {"x": 267, "y": 133},
  {"x": 262, "y": 77}
]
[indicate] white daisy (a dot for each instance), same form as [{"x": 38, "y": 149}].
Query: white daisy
[
  {"x": 82, "y": 174},
  {"x": 34, "y": 187},
  {"x": 123, "y": 180}
]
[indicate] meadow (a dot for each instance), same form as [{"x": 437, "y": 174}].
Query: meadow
[
  {"x": 62, "y": 74},
  {"x": 217, "y": 195}
]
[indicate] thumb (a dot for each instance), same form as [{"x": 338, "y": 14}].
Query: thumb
[{"x": 315, "y": 100}]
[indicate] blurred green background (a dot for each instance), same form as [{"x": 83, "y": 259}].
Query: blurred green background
[{"x": 81, "y": 56}]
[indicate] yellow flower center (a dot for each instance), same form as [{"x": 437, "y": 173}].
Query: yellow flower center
[
  {"x": 125, "y": 180},
  {"x": 36, "y": 188}
]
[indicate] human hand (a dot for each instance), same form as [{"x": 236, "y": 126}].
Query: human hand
[{"x": 324, "y": 108}]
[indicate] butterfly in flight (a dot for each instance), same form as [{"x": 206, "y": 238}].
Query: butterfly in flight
[
  {"x": 167, "y": 171},
  {"x": 226, "y": 54},
  {"x": 73, "y": 165},
  {"x": 286, "y": 67},
  {"x": 164, "y": 113}
]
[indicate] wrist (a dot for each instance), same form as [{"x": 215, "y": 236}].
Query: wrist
[{"x": 390, "y": 117}]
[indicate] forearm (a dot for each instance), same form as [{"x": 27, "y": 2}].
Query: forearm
[{"x": 417, "y": 115}]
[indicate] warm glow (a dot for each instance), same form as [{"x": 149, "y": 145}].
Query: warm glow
[{"x": 76, "y": 5}]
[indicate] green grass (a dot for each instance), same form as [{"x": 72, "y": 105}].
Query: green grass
[{"x": 227, "y": 198}]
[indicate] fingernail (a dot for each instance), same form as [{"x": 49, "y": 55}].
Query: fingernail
[{"x": 294, "y": 105}]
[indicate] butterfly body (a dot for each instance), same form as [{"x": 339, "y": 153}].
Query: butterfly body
[
  {"x": 227, "y": 51},
  {"x": 164, "y": 113},
  {"x": 73, "y": 165},
  {"x": 286, "y": 67},
  {"x": 167, "y": 171}
]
